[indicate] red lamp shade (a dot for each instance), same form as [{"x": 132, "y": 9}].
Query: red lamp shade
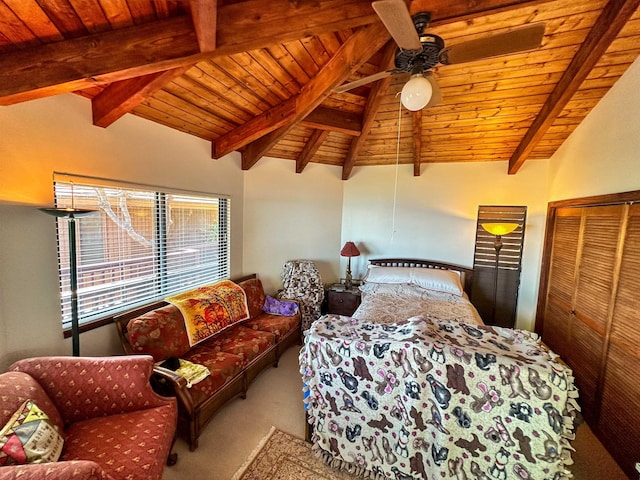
[{"x": 349, "y": 250}]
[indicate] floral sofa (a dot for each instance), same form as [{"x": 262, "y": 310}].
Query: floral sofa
[
  {"x": 234, "y": 356},
  {"x": 84, "y": 418}
]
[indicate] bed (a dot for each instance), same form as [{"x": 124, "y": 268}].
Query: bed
[
  {"x": 406, "y": 288},
  {"x": 423, "y": 390}
]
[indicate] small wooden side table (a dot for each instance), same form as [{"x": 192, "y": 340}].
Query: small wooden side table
[{"x": 341, "y": 301}]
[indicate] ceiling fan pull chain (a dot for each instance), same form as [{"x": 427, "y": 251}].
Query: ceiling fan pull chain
[{"x": 395, "y": 186}]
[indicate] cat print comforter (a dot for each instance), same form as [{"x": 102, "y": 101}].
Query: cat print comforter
[{"x": 433, "y": 399}]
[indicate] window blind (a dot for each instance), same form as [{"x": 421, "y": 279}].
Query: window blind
[{"x": 141, "y": 246}]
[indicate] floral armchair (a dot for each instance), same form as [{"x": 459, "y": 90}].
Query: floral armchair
[{"x": 109, "y": 423}]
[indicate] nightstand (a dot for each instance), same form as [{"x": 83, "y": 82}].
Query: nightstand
[{"x": 342, "y": 302}]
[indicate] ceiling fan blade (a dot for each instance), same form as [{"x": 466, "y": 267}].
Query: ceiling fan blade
[
  {"x": 517, "y": 40},
  {"x": 363, "y": 81},
  {"x": 396, "y": 18},
  {"x": 436, "y": 95}
]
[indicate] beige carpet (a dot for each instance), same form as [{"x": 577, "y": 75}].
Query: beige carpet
[{"x": 275, "y": 399}]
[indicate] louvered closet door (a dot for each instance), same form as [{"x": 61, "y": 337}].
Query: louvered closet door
[
  {"x": 591, "y": 312},
  {"x": 592, "y": 298},
  {"x": 562, "y": 279},
  {"x": 619, "y": 420}
]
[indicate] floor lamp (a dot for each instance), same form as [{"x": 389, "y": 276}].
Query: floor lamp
[
  {"x": 497, "y": 229},
  {"x": 71, "y": 214}
]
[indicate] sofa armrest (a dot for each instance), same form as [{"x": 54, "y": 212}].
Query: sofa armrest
[
  {"x": 170, "y": 383},
  {"x": 76, "y": 469},
  {"x": 88, "y": 387}
]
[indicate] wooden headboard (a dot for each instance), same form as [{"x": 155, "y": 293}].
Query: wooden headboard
[{"x": 466, "y": 274}]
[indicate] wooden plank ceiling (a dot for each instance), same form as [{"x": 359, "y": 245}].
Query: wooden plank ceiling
[{"x": 257, "y": 75}]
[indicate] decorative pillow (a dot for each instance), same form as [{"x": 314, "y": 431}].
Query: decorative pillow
[
  {"x": 440, "y": 280},
  {"x": 29, "y": 437},
  {"x": 286, "y": 308}
]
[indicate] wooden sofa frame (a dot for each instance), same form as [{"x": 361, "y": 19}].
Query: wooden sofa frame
[{"x": 193, "y": 418}]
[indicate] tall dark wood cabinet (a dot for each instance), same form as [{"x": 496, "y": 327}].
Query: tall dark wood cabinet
[{"x": 589, "y": 312}]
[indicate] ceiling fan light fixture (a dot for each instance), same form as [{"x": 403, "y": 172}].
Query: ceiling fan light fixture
[{"x": 416, "y": 93}]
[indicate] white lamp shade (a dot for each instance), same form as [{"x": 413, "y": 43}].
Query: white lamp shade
[{"x": 416, "y": 93}]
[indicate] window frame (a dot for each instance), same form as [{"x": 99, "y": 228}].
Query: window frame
[{"x": 159, "y": 249}]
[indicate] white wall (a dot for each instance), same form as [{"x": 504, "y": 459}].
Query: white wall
[
  {"x": 56, "y": 134},
  {"x": 603, "y": 153},
  {"x": 435, "y": 215},
  {"x": 291, "y": 216}
]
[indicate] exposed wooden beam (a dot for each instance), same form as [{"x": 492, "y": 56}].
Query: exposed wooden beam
[
  {"x": 106, "y": 57},
  {"x": 97, "y": 59},
  {"x": 334, "y": 120},
  {"x": 370, "y": 111},
  {"x": 353, "y": 53},
  {"x": 313, "y": 144},
  {"x": 417, "y": 141},
  {"x": 204, "y": 14},
  {"x": 254, "y": 24},
  {"x": 322, "y": 118},
  {"x": 255, "y": 128},
  {"x": 121, "y": 97},
  {"x": 612, "y": 19}
]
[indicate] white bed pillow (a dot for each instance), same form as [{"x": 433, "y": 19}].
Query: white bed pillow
[
  {"x": 439, "y": 280},
  {"x": 378, "y": 274}
]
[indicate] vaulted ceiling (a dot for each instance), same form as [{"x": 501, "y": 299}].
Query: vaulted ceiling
[{"x": 257, "y": 76}]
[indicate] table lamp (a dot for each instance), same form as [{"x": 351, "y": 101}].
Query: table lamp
[{"x": 349, "y": 250}]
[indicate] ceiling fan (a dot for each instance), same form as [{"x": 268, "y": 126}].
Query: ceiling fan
[{"x": 418, "y": 51}]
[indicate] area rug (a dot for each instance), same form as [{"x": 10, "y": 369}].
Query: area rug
[{"x": 280, "y": 456}]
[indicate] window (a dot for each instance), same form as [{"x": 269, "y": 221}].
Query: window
[{"x": 141, "y": 246}]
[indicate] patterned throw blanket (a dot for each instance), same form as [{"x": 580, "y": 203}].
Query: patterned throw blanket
[
  {"x": 209, "y": 309},
  {"x": 433, "y": 399}
]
